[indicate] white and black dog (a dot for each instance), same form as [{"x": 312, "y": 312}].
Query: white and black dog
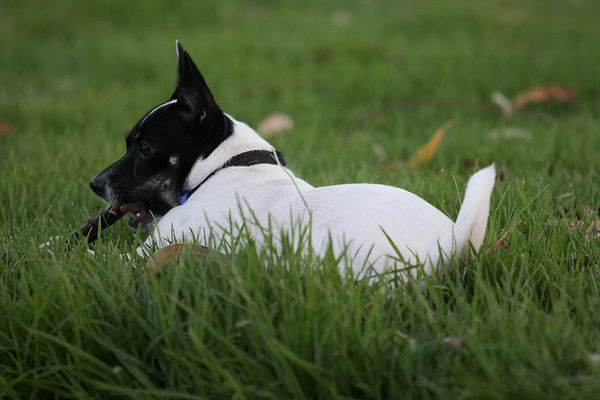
[{"x": 194, "y": 170}]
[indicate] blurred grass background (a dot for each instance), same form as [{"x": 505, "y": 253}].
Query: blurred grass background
[{"x": 366, "y": 83}]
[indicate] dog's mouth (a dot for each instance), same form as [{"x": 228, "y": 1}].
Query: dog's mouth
[{"x": 141, "y": 215}]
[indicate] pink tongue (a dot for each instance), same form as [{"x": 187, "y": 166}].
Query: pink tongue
[{"x": 138, "y": 210}]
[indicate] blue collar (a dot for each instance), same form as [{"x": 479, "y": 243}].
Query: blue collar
[{"x": 185, "y": 195}]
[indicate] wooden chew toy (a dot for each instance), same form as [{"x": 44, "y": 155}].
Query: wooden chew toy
[
  {"x": 102, "y": 220},
  {"x": 175, "y": 252}
]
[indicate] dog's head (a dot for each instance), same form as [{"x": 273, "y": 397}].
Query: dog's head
[{"x": 163, "y": 146}]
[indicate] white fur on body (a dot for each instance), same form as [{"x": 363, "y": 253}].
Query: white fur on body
[{"x": 350, "y": 217}]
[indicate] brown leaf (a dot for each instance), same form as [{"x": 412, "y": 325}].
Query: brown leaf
[
  {"x": 592, "y": 229},
  {"x": 6, "y": 128},
  {"x": 586, "y": 211},
  {"x": 541, "y": 94},
  {"x": 174, "y": 252},
  {"x": 501, "y": 242},
  {"x": 573, "y": 224},
  {"x": 274, "y": 123},
  {"x": 537, "y": 94},
  {"x": 425, "y": 153}
]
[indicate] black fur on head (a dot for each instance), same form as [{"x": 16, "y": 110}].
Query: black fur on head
[{"x": 163, "y": 146}]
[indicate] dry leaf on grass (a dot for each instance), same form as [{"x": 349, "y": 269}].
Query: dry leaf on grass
[
  {"x": 6, "y": 128},
  {"x": 592, "y": 229},
  {"x": 538, "y": 94},
  {"x": 174, "y": 252},
  {"x": 586, "y": 211},
  {"x": 501, "y": 242},
  {"x": 543, "y": 93},
  {"x": 274, "y": 123},
  {"x": 425, "y": 153}
]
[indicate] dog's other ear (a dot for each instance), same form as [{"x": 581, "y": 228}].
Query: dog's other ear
[{"x": 192, "y": 90}]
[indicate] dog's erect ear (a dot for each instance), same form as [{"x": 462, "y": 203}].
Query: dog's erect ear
[{"x": 192, "y": 90}]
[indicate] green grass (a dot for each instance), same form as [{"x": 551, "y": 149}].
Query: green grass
[{"x": 520, "y": 322}]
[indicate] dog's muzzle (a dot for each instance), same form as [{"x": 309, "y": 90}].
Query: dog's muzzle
[{"x": 97, "y": 184}]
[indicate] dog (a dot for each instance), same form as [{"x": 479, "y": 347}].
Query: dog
[{"x": 192, "y": 170}]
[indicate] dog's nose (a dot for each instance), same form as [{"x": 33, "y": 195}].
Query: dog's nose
[{"x": 97, "y": 185}]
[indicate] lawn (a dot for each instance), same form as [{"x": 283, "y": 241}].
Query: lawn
[{"x": 367, "y": 84}]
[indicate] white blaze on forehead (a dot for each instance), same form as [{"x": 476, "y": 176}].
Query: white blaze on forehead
[
  {"x": 173, "y": 160},
  {"x": 155, "y": 109}
]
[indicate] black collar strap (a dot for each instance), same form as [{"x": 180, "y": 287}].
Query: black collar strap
[{"x": 246, "y": 159}]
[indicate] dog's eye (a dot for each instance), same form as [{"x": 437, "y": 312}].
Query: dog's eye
[{"x": 145, "y": 150}]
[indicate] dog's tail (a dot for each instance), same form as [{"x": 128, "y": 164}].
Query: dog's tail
[{"x": 472, "y": 218}]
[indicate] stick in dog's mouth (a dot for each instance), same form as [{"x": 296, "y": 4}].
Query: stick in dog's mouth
[
  {"x": 141, "y": 217},
  {"x": 102, "y": 220}
]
